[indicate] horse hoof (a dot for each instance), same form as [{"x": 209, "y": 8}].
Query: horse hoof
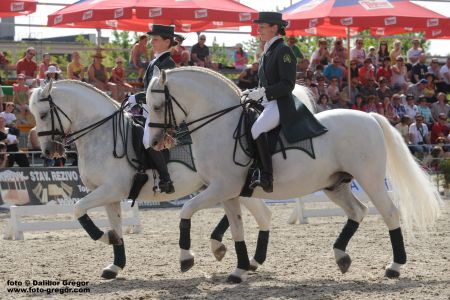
[
  {"x": 392, "y": 273},
  {"x": 234, "y": 279},
  {"x": 344, "y": 263},
  {"x": 108, "y": 274},
  {"x": 114, "y": 238},
  {"x": 252, "y": 268},
  {"x": 220, "y": 252},
  {"x": 186, "y": 265}
]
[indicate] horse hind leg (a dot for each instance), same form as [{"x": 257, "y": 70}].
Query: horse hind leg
[
  {"x": 355, "y": 210},
  {"x": 113, "y": 211}
]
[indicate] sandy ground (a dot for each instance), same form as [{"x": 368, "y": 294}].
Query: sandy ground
[{"x": 300, "y": 261}]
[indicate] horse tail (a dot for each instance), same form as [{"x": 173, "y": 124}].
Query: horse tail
[{"x": 415, "y": 195}]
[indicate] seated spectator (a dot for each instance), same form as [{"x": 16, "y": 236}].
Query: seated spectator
[
  {"x": 440, "y": 129},
  {"x": 440, "y": 107},
  {"x": 334, "y": 70},
  {"x": 383, "y": 90},
  {"x": 419, "y": 69},
  {"x": 292, "y": 43},
  {"x": 372, "y": 104},
  {"x": 445, "y": 73},
  {"x": 354, "y": 70},
  {"x": 385, "y": 70},
  {"x": 419, "y": 137},
  {"x": 179, "y": 53},
  {"x": 399, "y": 72},
  {"x": 359, "y": 104},
  {"x": 435, "y": 69},
  {"x": 403, "y": 127},
  {"x": 21, "y": 92},
  {"x": 429, "y": 90},
  {"x": 417, "y": 89},
  {"x": 12, "y": 140},
  {"x": 200, "y": 53},
  {"x": 321, "y": 56},
  {"x": 338, "y": 50},
  {"x": 139, "y": 58},
  {"x": 98, "y": 76},
  {"x": 28, "y": 67},
  {"x": 52, "y": 73},
  {"x": 75, "y": 70},
  {"x": 312, "y": 87},
  {"x": 358, "y": 53},
  {"x": 411, "y": 107},
  {"x": 3, "y": 155},
  {"x": 414, "y": 52},
  {"x": 239, "y": 57},
  {"x": 318, "y": 72},
  {"x": 302, "y": 70},
  {"x": 34, "y": 145},
  {"x": 400, "y": 109},
  {"x": 333, "y": 90},
  {"x": 354, "y": 90},
  {"x": 24, "y": 117},
  {"x": 425, "y": 111},
  {"x": 248, "y": 79},
  {"x": 383, "y": 54},
  {"x": 366, "y": 72},
  {"x": 342, "y": 102},
  {"x": 43, "y": 67},
  {"x": 118, "y": 77},
  {"x": 370, "y": 89},
  {"x": 396, "y": 51},
  {"x": 3, "y": 60},
  {"x": 389, "y": 111},
  {"x": 321, "y": 87},
  {"x": 324, "y": 103},
  {"x": 373, "y": 57},
  {"x": 8, "y": 115}
]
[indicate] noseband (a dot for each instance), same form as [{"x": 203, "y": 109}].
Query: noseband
[{"x": 54, "y": 114}]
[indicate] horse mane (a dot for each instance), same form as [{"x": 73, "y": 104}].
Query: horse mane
[
  {"x": 217, "y": 75},
  {"x": 89, "y": 86}
]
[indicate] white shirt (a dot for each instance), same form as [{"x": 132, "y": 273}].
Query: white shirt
[
  {"x": 411, "y": 110},
  {"x": 418, "y": 137},
  {"x": 9, "y": 117},
  {"x": 358, "y": 54},
  {"x": 444, "y": 73}
]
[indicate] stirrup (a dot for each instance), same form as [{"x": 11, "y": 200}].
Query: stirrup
[{"x": 256, "y": 179}]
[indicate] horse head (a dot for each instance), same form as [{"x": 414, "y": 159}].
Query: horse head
[
  {"x": 164, "y": 110},
  {"x": 52, "y": 123}
]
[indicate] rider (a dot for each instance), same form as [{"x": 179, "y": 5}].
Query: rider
[
  {"x": 277, "y": 74},
  {"x": 162, "y": 41}
]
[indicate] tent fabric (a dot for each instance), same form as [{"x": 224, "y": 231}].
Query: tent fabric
[{"x": 11, "y": 8}]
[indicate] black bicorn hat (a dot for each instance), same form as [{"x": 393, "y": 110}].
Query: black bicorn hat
[
  {"x": 163, "y": 30},
  {"x": 271, "y": 17}
]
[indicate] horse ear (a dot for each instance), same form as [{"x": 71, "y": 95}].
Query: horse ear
[
  {"x": 156, "y": 72},
  {"x": 47, "y": 89}
]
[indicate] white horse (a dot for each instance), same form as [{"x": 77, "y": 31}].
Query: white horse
[
  {"x": 358, "y": 145},
  {"x": 68, "y": 106}
]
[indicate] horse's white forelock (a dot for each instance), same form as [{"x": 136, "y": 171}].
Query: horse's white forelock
[{"x": 210, "y": 72}]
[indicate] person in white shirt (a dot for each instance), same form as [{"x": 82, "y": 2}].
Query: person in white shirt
[
  {"x": 411, "y": 108},
  {"x": 357, "y": 53},
  {"x": 419, "y": 137},
  {"x": 414, "y": 52},
  {"x": 446, "y": 75}
]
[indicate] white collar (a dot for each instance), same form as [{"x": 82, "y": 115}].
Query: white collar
[
  {"x": 270, "y": 43},
  {"x": 158, "y": 55}
]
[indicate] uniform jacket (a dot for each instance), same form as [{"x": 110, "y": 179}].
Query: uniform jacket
[
  {"x": 165, "y": 61},
  {"x": 277, "y": 74}
]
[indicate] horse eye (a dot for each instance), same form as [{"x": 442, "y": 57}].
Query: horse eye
[{"x": 43, "y": 116}]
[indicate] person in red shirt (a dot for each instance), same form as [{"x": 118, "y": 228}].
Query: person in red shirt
[
  {"x": 28, "y": 67},
  {"x": 118, "y": 77},
  {"x": 385, "y": 70},
  {"x": 179, "y": 53},
  {"x": 440, "y": 129},
  {"x": 366, "y": 72}
]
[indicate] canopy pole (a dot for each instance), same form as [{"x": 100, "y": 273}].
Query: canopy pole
[
  {"x": 99, "y": 37},
  {"x": 349, "y": 75}
]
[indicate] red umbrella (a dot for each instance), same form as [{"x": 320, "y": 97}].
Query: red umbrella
[
  {"x": 11, "y": 8},
  {"x": 138, "y": 15},
  {"x": 363, "y": 14}
]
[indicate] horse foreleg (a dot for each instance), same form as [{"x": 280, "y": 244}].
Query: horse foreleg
[
  {"x": 207, "y": 198},
  {"x": 100, "y": 196},
  {"x": 115, "y": 220},
  {"x": 217, "y": 247},
  {"x": 356, "y": 211},
  {"x": 262, "y": 215},
  {"x": 233, "y": 210}
]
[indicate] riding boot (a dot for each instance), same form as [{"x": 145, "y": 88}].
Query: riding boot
[
  {"x": 165, "y": 183},
  {"x": 263, "y": 176}
]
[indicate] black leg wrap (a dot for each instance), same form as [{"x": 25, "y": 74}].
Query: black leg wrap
[
  {"x": 398, "y": 247},
  {"x": 94, "y": 232},
  {"x": 346, "y": 234},
  {"x": 220, "y": 229},
  {"x": 119, "y": 255},
  {"x": 185, "y": 234},
  {"x": 242, "y": 255},
  {"x": 261, "y": 246}
]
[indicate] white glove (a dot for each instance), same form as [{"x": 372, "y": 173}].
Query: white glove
[
  {"x": 131, "y": 101},
  {"x": 246, "y": 92},
  {"x": 257, "y": 94}
]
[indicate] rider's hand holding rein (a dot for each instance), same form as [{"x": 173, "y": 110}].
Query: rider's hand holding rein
[{"x": 257, "y": 94}]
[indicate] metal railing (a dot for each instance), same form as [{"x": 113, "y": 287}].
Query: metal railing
[{"x": 36, "y": 158}]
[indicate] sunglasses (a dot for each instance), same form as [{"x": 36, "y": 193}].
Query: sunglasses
[{"x": 119, "y": 62}]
